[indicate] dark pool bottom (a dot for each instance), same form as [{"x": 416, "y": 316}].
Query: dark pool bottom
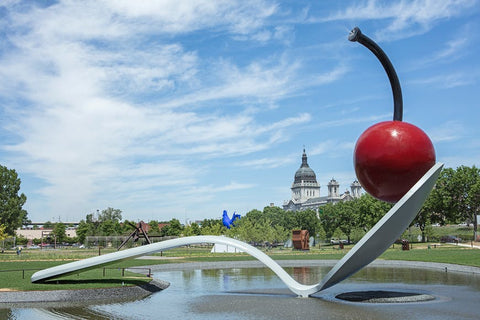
[{"x": 385, "y": 297}]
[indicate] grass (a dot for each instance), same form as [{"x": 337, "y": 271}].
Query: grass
[
  {"x": 29, "y": 261},
  {"x": 447, "y": 254},
  {"x": 15, "y": 275}
]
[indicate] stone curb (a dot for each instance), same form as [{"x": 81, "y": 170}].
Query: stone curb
[
  {"x": 448, "y": 267},
  {"x": 80, "y": 296}
]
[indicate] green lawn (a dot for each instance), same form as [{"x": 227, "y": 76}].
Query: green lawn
[
  {"x": 16, "y": 276},
  {"x": 447, "y": 254}
]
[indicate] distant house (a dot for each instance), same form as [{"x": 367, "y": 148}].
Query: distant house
[{"x": 31, "y": 234}]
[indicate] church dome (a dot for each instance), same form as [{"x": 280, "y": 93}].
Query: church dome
[{"x": 305, "y": 173}]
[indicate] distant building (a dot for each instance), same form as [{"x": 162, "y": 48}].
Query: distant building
[
  {"x": 306, "y": 190},
  {"x": 31, "y": 234}
]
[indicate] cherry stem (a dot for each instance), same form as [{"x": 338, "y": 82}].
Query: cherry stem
[{"x": 357, "y": 36}]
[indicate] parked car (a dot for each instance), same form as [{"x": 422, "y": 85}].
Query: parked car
[
  {"x": 450, "y": 239},
  {"x": 338, "y": 241}
]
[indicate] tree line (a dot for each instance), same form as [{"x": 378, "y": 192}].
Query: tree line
[{"x": 454, "y": 199}]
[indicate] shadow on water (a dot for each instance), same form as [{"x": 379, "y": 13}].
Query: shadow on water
[{"x": 76, "y": 313}]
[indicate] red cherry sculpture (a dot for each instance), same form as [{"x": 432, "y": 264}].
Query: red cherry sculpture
[{"x": 391, "y": 156}]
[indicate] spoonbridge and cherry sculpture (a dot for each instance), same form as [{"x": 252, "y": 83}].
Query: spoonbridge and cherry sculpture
[{"x": 394, "y": 161}]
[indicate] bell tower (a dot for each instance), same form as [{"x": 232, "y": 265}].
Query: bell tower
[
  {"x": 356, "y": 189},
  {"x": 333, "y": 187}
]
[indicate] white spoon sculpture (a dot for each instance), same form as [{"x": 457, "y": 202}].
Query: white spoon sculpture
[{"x": 372, "y": 245}]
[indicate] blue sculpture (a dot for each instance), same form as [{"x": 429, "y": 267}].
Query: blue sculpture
[{"x": 227, "y": 222}]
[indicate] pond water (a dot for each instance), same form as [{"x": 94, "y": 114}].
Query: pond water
[{"x": 257, "y": 293}]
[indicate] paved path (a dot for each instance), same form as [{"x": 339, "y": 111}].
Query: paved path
[{"x": 466, "y": 245}]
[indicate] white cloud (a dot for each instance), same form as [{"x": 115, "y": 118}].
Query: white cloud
[
  {"x": 77, "y": 69},
  {"x": 261, "y": 80},
  {"x": 450, "y": 52},
  {"x": 447, "y": 132},
  {"x": 107, "y": 19},
  {"x": 347, "y": 121},
  {"x": 326, "y": 147},
  {"x": 269, "y": 162},
  {"x": 449, "y": 80},
  {"x": 403, "y": 18}
]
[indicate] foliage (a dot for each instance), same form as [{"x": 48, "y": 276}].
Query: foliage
[
  {"x": 456, "y": 197},
  {"x": 328, "y": 220},
  {"x": 370, "y": 211},
  {"x": 192, "y": 230},
  {"x": 107, "y": 224},
  {"x": 258, "y": 230},
  {"x": 153, "y": 225},
  {"x": 174, "y": 228},
  {"x": 352, "y": 216},
  {"x": 12, "y": 215},
  {"x": 306, "y": 220},
  {"x": 3, "y": 233},
  {"x": 213, "y": 227},
  {"x": 82, "y": 231},
  {"x": 59, "y": 232},
  {"x": 348, "y": 216},
  {"x": 110, "y": 214},
  {"x": 21, "y": 240}
]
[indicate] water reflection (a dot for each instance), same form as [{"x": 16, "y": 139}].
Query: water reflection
[{"x": 257, "y": 293}]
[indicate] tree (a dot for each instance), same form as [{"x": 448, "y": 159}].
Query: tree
[
  {"x": 307, "y": 220},
  {"x": 110, "y": 214},
  {"x": 328, "y": 220},
  {"x": 278, "y": 216},
  {"x": 348, "y": 217},
  {"x": 59, "y": 232},
  {"x": 192, "y": 230},
  {"x": 11, "y": 213},
  {"x": 258, "y": 231},
  {"x": 153, "y": 225},
  {"x": 174, "y": 228},
  {"x": 3, "y": 235},
  {"x": 82, "y": 231},
  {"x": 428, "y": 213},
  {"x": 370, "y": 210},
  {"x": 110, "y": 228},
  {"x": 48, "y": 225},
  {"x": 213, "y": 227},
  {"x": 459, "y": 198}
]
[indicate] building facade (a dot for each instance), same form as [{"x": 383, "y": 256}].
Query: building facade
[{"x": 306, "y": 190}]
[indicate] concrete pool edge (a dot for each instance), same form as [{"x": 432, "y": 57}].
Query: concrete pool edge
[
  {"x": 439, "y": 266},
  {"x": 12, "y": 299}
]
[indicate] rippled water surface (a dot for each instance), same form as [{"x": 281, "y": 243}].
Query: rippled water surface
[{"x": 256, "y": 293}]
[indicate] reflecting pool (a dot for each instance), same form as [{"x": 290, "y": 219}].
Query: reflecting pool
[{"x": 257, "y": 293}]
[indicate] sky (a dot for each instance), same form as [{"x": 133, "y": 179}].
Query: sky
[{"x": 182, "y": 109}]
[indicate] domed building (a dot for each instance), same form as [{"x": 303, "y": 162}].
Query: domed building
[{"x": 306, "y": 190}]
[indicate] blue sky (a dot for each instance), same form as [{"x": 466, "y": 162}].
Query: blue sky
[{"x": 181, "y": 109}]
